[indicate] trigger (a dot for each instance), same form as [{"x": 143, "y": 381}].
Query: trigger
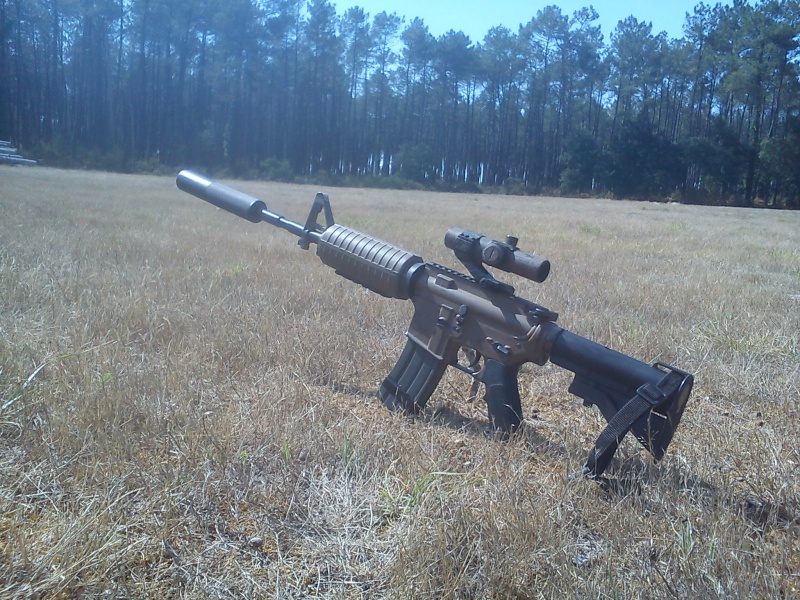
[
  {"x": 468, "y": 360},
  {"x": 469, "y": 357}
]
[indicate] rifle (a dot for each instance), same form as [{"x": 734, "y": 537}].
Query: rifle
[{"x": 497, "y": 331}]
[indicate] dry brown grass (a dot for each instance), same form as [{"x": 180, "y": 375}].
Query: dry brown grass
[{"x": 187, "y": 404}]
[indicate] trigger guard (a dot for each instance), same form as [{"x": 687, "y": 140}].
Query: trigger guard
[{"x": 472, "y": 358}]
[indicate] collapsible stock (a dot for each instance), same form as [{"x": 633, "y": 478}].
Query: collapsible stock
[{"x": 647, "y": 400}]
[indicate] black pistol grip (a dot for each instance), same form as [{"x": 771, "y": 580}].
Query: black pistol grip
[
  {"x": 412, "y": 380},
  {"x": 502, "y": 395}
]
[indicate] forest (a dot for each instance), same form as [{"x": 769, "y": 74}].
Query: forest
[{"x": 298, "y": 90}]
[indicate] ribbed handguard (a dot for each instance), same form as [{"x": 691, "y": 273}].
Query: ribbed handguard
[{"x": 373, "y": 263}]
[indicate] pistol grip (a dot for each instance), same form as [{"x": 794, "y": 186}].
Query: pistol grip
[
  {"x": 412, "y": 380},
  {"x": 502, "y": 395}
]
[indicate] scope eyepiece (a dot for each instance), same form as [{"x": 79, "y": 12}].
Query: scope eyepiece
[{"x": 502, "y": 255}]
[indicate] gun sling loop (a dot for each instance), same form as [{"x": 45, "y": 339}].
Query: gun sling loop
[{"x": 646, "y": 399}]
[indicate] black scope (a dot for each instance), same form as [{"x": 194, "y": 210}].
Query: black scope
[{"x": 502, "y": 255}]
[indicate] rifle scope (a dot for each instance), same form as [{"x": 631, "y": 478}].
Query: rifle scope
[{"x": 503, "y": 255}]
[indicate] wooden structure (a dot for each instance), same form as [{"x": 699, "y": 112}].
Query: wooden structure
[{"x": 9, "y": 156}]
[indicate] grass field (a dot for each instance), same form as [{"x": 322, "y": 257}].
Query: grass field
[{"x": 188, "y": 409}]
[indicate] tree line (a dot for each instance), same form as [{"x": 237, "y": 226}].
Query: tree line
[{"x": 289, "y": 89}]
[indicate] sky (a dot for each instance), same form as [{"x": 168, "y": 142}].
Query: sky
[{"x": 476, "y": 17}]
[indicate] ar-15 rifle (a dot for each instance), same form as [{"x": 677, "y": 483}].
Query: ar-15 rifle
[{"x": 497, "y": 330}]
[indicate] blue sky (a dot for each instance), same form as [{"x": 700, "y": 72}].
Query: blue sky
[{"x": 475, "y": 18}]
